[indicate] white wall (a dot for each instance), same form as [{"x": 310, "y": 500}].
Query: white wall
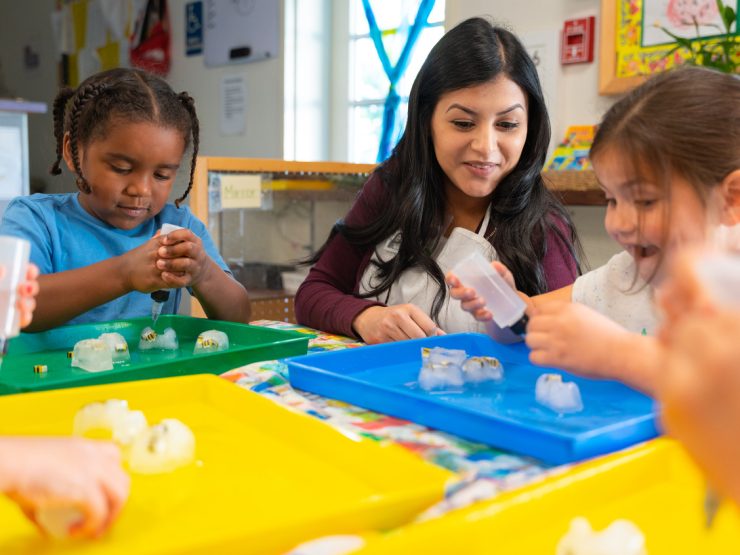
[
  {"x": 576, "y": 99},
  {"x": 21, "y": 23},
  {"x": 263, "y": 137}
]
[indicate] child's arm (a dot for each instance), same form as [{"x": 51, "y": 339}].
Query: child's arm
[
  {"x": 576, "y": 338},
  {"x": 64, "y": 295},
  {"x": 184, "y": 262},
  {"x": 699, "y": 390}
]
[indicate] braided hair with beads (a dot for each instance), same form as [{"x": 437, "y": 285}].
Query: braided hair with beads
[{"x": 125, "y": 94}]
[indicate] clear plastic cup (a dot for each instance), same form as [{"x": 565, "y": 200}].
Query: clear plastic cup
[
  {"x": 14, "y": 253},
  {"x": 505, "y": 304}
]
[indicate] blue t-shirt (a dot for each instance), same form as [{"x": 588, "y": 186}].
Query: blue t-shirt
[{"x": 64, "y": 236}]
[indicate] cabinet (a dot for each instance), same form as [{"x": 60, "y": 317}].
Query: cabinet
[{"x": 284, "y": 224}]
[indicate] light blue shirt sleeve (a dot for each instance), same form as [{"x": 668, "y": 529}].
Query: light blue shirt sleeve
[
  {"x": 64, "y": 236},
  {"x": 26, "y": 220}
]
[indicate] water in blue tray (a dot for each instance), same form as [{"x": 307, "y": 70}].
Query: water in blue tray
[{"x": 504, "y": 414}]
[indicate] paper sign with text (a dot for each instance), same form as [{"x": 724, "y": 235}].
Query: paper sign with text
[{"x": 241, "y": 191}]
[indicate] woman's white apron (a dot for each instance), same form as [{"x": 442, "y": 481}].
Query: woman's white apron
[{"x": 417, "y": 287}]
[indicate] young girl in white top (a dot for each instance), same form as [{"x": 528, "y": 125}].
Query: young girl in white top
[{"x": 668, "y": 159}]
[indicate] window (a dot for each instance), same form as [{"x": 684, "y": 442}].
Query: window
[
  {"x": 368, "y": 83},
  {"x": 335, "y": 85}
]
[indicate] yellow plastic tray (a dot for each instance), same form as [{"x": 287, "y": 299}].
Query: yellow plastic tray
[
  {"x": 264, "y": 479},
  {"x": 654, "y": 485}
]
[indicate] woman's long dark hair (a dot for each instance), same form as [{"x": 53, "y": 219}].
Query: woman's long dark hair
[{"x": 522, "y": 209}]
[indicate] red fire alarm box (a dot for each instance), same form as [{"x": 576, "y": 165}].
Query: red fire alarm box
[{"x": 577, "y": 44}]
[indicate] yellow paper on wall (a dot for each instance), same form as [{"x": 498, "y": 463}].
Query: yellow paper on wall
[
  {"x": 79, "y": 22},
  {"x": 241, "y": 191}
]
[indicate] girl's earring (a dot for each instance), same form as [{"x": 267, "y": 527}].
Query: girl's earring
[{"x": 83, "y": 186}]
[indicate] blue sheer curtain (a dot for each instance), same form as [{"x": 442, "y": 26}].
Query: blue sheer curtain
[{"x": 394, "y": 73}]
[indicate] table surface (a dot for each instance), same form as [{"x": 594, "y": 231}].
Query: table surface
[{"x": 483, "y": 470}]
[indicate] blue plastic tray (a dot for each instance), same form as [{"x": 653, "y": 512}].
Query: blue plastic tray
[{"x": 506, "y": 415}]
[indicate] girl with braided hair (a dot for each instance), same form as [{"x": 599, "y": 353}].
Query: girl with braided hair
[{"x": 122, "y": 133}]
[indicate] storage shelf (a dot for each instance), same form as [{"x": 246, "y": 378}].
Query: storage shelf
[{"x": 575, "y": 187}]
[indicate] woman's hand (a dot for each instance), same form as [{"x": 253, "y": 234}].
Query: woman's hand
[
  {"x": 64, "y": 476},
  {"x": 380, "y": 324}
]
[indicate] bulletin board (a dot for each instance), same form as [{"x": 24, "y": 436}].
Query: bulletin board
[{"x": 632, "y": 45}]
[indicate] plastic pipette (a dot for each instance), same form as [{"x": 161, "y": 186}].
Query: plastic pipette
[
  {"x": 508, "y": 309},
  {"x": 161, "y": 296}
]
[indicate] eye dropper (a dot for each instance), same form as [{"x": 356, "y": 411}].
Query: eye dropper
[
  {"x": 161, "y": 296},
  {"x": 508, "y": 308},
  {"x": 14, "y": 253}
]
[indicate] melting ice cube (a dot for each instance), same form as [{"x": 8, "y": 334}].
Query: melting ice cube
[
  {"x": 92, "y": 355},
  {"x": 621, "y": 537},
  {"x": 162, "y": 448},
  {"x": 211, "y": 341},
  {"x": 482, "y": 369},
  {"x": 118, "y": 346},
  {"x": 562, "y": 397},
  {"x": 441, "y": 368},
  {"x": 150, "y": 339}
]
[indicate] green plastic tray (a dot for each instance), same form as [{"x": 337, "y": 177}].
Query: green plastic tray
[{"x": 246, "y": 344}]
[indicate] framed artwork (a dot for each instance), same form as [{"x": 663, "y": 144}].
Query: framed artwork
[{"x": 633, "y": 45}]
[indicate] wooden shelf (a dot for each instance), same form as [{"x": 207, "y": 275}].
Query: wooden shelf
[
  {"x": 575, "y": 187},
  {"x": 578, "y": 188}
]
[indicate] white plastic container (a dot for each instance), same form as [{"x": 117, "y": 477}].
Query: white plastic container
[
  {"x": 161, "y": 296},
  {"x": 14, "y": 254},
  {"x": 505, "y": 304}
]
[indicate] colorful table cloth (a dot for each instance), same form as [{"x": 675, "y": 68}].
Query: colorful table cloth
[{"x": 484, "y": 471}]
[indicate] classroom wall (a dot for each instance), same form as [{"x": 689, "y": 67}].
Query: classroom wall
[
  {"x": 576, "y": 101},
  {"x": 21, "y": 24},
  {"x": 263, "y": 137}
]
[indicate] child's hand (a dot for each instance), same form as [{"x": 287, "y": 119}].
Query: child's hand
[
  {"x": 47, "y": 473},
  {"x": 573, "y": 337},
  {"x": 181, "y": 259},
  {"x": 699, "y": 389},
  {"x": 140, "y": 270},
  {"x": 380, "y": 324},
  {"x": 468, "y": 297},
  {"x": 27, "y": 292}
]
